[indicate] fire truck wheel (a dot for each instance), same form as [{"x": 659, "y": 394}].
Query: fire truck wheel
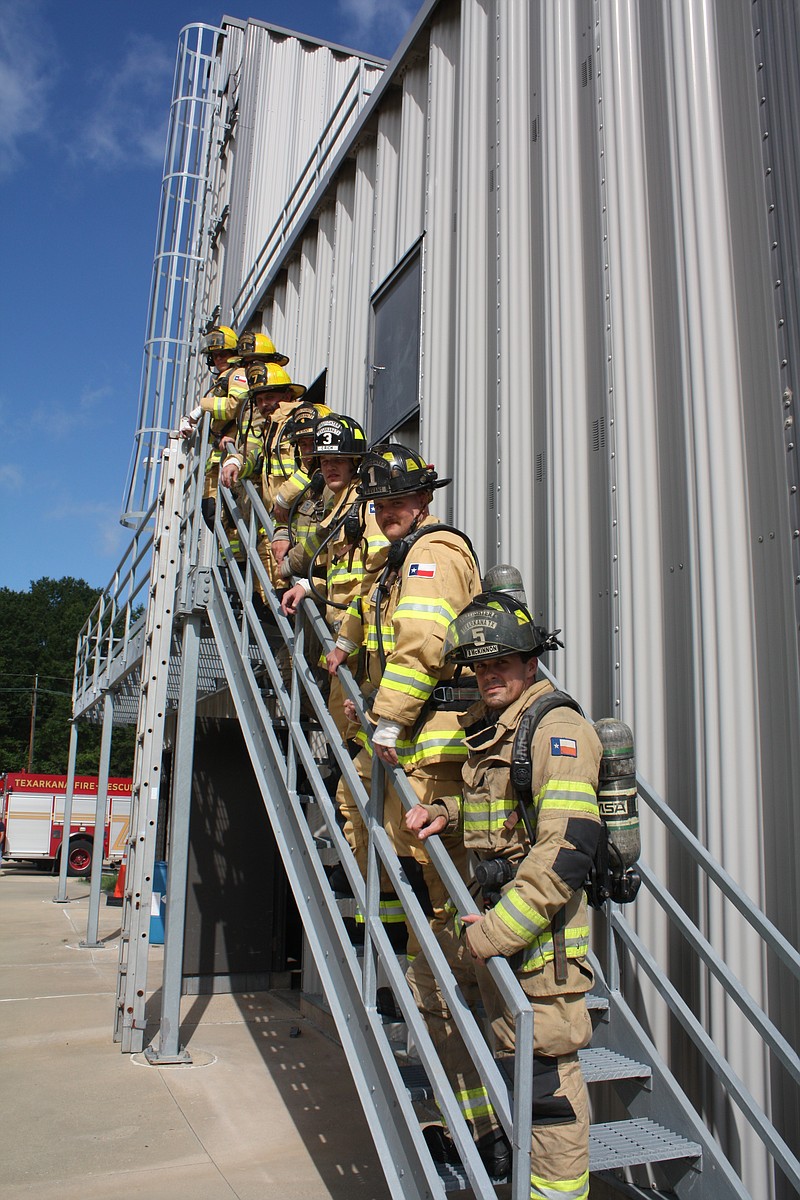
[{"x": 79, "y": 860}]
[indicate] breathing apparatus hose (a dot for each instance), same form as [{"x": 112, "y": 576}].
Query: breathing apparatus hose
[{"x": 354, "y": 538}]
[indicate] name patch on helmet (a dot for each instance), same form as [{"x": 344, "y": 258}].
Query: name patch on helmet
[
  {"x": 422, "y": 570},
  {"x": 563, "y": 748}
]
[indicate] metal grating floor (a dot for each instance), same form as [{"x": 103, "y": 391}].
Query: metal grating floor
[
  {"x": 628, "y": 1143},
  {"x": 599, "y": 1065}
]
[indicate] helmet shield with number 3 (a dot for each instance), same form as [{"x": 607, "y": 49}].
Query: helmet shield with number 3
[
  {"x": 490, "y": 627},
  {"x": 388, "y": 471},
  {"x": 340, "y": 437}
]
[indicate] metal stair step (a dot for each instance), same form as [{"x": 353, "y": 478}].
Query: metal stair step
[
  {"x": 611, "y": 1145},
  {"x": 600, "y": 1065},
  {"x": 631, "y": 1143},
  {"x": 596, "y": 1003}
]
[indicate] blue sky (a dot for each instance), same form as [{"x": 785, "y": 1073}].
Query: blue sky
[{"x": 85, "y": 87}]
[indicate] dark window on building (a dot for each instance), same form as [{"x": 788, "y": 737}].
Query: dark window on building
[{"x": 395, "y": 348}]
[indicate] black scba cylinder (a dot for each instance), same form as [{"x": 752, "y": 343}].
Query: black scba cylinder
[{"x": 616, "y": 799}]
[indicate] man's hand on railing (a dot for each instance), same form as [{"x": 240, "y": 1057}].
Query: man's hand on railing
[
  {"x": 229, "y": 473},
  {"x": 334, "y": 659},
  {"x": 420, "y": 822},
  {"x": 293, "y": 599},
  {"x": 280, "y": 548},
  {"x": 472, "y": 919}
]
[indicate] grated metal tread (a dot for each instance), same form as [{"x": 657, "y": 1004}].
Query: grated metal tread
[
  {"x": 615, "y": 1144},
  {"x": 596, "y": 1003},
  {"x": 612, "y": 1145},
  {"x": 600, "y": 1065}
]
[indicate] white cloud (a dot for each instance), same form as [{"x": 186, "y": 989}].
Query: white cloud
[
  {"x": 28, "y": 68},
  {"x": 128, "y": 125},
  {"x": 373, "y": 21}
]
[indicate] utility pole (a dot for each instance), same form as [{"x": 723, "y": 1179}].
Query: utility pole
[{"x": 33, "y": 721}]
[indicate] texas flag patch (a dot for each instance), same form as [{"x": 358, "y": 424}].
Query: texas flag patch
[
  {"x": 563, "y": 748},
  {"x": 422, "y": 570}
]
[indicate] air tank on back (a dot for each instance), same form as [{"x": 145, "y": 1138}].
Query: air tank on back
[{"x": 616, "y": 793}]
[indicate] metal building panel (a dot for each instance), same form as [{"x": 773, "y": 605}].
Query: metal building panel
[
  {"x": 322, "y": 316},
  {"x": 353, "y": 396},
  {"x": 411, "y": 183},
  {"x": 311, "y": 340},
  {"x": 568, "y": 377},
  {"x": 292, "y": 309},
  {"x": 473, "y": 497},
  {"x": 387, "y": 176},
  {"x": 437, "y": 368},
  {"x": 340, "y": 288},
  {"x": 512, "y": 445}
]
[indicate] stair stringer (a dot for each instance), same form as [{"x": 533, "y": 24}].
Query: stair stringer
[
  {"x": 376, "y": 1075},
  {"x": 664, "y": 1101}
]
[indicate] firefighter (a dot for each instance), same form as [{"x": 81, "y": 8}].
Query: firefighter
[
  {"x": 345, "y": 553},
  {"x": 224, "y": 401},
  {"x": 534, "y": 907},
  {"x": 264, "y": 446},
  {"x": 431, "y": 573},
  {"x": 299, "y": 498}
]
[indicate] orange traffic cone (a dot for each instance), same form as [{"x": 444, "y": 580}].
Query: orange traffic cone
[{"x": 116, "y": 898}]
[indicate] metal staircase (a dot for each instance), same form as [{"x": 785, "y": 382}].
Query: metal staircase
[{"x": 647, "y": 1137}]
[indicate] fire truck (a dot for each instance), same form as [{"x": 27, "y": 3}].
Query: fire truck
[{"x": 32, "y": 807}]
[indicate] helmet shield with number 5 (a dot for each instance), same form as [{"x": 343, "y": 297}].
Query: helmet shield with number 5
[
  {"x": 395, "y": 470},
  {"x": 490, "y": 627}
]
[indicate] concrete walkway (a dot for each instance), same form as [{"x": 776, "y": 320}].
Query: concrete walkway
[{"x": 268, "y": 1115}]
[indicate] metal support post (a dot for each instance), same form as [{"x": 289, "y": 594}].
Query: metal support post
[
  {"x": 169, "y": 1050},
  {"x": 63, "y": 864},
  {"x": 98, "y": 846}
]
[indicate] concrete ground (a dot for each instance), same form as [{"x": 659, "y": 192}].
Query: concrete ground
[{"x": 266, "y": 1115}]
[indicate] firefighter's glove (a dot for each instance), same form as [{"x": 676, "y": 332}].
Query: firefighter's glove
[
  {"x": 386, "y": 733},
  {"x": 189, "y": 422}
]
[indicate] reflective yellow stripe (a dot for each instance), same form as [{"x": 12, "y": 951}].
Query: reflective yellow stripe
[
  {"x": 568, "y": 795},
  {"x": 560, "y": 1189},
  {"x": 521, "y": 918},
  {"x": 478, "y": 817},
  {"x": 419, "y": 608},
  {"x": 541, "y": 951},
  {"x": 408, "y": 681},
  {"x": 475, "y": 1102}
]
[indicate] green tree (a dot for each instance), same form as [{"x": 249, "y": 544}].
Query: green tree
[{"x": 38, "y": 637}]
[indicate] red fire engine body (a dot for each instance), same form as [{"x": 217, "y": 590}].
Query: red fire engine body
[{"x": 33, "y": 809}]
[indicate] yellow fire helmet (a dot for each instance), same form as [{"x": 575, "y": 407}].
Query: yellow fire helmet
[
  {"x": 259, "y": 345},
  {"x": 267, "y": 376},
  {"x": 219, "y": 339}
]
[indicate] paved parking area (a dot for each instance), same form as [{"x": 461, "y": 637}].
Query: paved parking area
[{"x": 260, "y": 1115}]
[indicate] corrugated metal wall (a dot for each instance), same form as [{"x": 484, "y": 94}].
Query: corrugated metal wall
[{"x": 609, "y": 334}]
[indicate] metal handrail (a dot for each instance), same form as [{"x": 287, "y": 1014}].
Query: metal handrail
[{"x": 515, "y": 1119}]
